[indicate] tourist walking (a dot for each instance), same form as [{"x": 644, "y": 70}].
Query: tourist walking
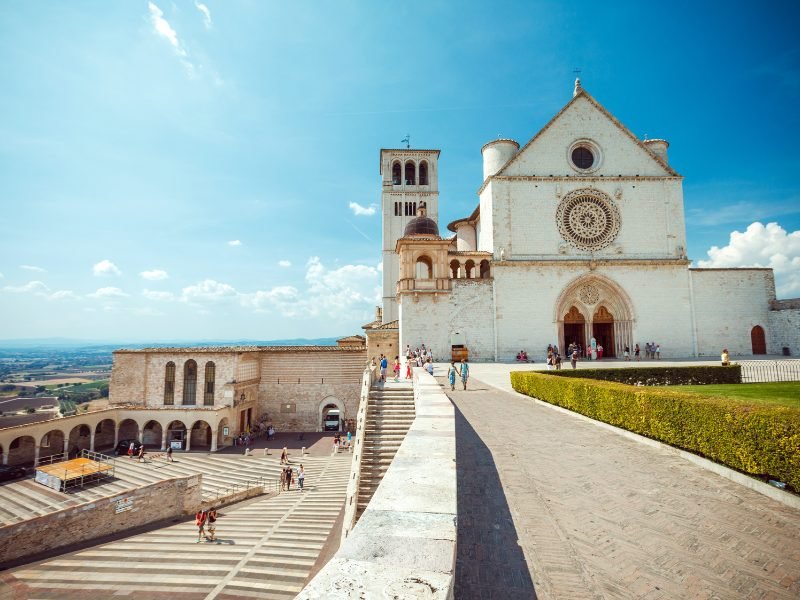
[
  {"x": 301, "y": 477},
  {"x": 558, "y": 361},
  {"x": 658, "y": 351},
  {"x": 408, "y": 368},
  {"x": 284, "y": 456},
  {"x": 396, "y": 369},
  {"x": 574, "y": 358},
  {"x": 212, "y": 525},
  {"x": 627, "y": 353},
  {"x": 130, "y": 450},
  {"x": 200, "y": 520},
  {"x": 451, "y": 375},
  {"x": 464, "y": 372},
  {"x": 141, "y": 454},
  {"x": 384, "y": 365},
  {"x": 637, "y": 352}
]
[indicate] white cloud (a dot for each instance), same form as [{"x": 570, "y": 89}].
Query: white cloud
[
  {"x": 164, "y": 30},
  {"x": 108, "y": 292},
  {"x": 147, "y": 312},
  {"x": 359, "y": 210},
  {"x": 63, "y": 295},
  {"x": 154, "y": 275},
  {"x": 284, "y": 263},
  {"x": 104, "y": 268},
  {"x": 234, "y": 243},
  {"x": 32, "y": 287},
  {"x": 763, "y": 246},
  {"x": 1, "y": 276},
  {"x": 208, "y": 290},
  {"x": 33, "y": 268},
  {"x": 155, "y": 295},
  {"x": 206, "y": 13}
]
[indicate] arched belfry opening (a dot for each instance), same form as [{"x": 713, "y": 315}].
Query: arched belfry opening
[
  {"x": 423, "y": 173},
  {"x": 411, "y": 178},
  {"x": 397, "y": 173},
  {"x": 593, "y": 306}
]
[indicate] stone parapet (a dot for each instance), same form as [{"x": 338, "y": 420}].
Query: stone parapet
[{"x": 404, "y": 545}]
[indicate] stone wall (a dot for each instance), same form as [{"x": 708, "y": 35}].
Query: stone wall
[
  {"x": 784, "y": 327},
  {"x": 728, "y": 303},
  {"x": 148, "y": 504},
  {"x": 298, "y": 407},
  {"x": 127, "y": 379}
]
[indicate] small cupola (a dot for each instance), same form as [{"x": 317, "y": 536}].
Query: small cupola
[{"x": 421, "y": 225}]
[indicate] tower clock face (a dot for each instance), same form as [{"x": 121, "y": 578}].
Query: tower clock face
[{"x": 588, "y": 219}]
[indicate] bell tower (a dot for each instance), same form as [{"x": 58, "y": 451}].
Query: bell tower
[{"x": 409, "y": 177}]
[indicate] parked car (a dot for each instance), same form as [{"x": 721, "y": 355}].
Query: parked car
[
  {"x": 122, "y": 447},
  {"x": 8, "y": 472}
]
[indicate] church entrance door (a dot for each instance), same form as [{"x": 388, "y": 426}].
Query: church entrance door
[
  {"x": 574, "y": 328},
  {"x": 758, "y": 340},
  {"x": 603, "y": 331}
]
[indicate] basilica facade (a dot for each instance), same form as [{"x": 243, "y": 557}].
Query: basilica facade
[{"x": 578, "y": 234}]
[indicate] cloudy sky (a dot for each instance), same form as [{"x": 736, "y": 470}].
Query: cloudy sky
[{"x": 178, "y": 170}]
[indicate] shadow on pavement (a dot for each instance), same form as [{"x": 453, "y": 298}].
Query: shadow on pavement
[{"x": 489, "y": 561}]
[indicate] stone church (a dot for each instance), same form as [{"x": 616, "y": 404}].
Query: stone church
[{"x": 579, "y": 234}]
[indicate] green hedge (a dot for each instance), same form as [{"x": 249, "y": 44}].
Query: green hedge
[
  {"x": 699, "y": 375},
  {"x": 760, "y": 440}
]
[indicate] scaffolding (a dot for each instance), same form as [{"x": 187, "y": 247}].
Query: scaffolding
[{"x": 60, "y": 473}]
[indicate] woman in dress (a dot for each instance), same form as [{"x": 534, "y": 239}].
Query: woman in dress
[
  {"x": 396, "y": 368},
  {"x": 451, "y": 375}
]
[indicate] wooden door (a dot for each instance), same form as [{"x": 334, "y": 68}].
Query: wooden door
[{"x": 758, "y": 340}]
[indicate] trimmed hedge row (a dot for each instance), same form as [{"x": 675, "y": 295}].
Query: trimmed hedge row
[
  {"x": 756, "y": 439},
  {"x": 699, "y": 375}
]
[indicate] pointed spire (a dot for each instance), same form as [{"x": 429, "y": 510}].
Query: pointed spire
[{"x": 578, "y": 89}]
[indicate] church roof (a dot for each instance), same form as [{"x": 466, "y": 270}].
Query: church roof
[
  {"x": 421, "y": 226},
  {"x": 379, "y": 325},
  {"x": 582, "y": 93}
]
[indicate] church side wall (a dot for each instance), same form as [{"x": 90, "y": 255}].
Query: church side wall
[
  {"x": 468, "y": 310},
  {"x": 784, "y": 331},
  {"x": 728, "y": 303},
  {"x": 225, "y": 370},
  {"x": 527, "y": 297},
  {"x": 127, "y": 379}
]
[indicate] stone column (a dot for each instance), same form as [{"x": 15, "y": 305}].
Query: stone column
[
  {"x": 213, "y": 440},
  {"x": 141, "y": 436},
  {"x": 5, "y": 458},
  {"x": 188, "y": 440},
  {"x": 35, "y": 456},
  {"x": 66, "y": 444},
  {"x": 91, "y": 440},
  {"x": 163, "y": 439},
  {"x": 116, "y": 435}
]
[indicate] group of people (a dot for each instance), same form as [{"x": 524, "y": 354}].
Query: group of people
[
  {"x": 345, "y": 443},
  {"x": 206, "y": 520},
  {"x": 651, "y": 351},
  {"x": 462, "y": 371},
  {"x": 522, "y": 356},
  {"x": 419, "y": 358},
  {"x": 288, "y": 477},
  {"x": 553, "y": 357}
]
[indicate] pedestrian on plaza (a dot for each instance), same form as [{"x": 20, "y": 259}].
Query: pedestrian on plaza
[
  {"x": 396, "y": 369},
  {"x": 284, "y": 456},
  {"x": 574, "y": 358},
  {"x": 558, "y": 361},
  {"x": 384, "y": 366},
  {"x": 408, "y": 368},
  {"x": 349, "y": 438},
  {"x": 599, "y": 351},
  {"x": 550, "y": 358},
  {"x": 301, "y": 477},
  {"x": 464, "y": 372},
  {"x": 212, "y": 525},
  {"x": 429, "y": 367},
  {"x": 200, "y": 520},
  {"x": 637, "y": 352},
  {"x": 141, "y": 454},
  {"x": 169, "y": 454},
  {"x": 130, "y": 450},
  {"x": 451, "y": 375},
  {"x": 658, "y": 351},
  {"x": 627, "y": 353}
]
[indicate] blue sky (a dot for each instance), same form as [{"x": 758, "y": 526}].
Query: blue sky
[{"x": 140, "y": 141}]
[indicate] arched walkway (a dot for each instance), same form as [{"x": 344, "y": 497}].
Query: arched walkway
[
  {"x": 326, "y": 406},
  {"x": 22, "y": 451},
  {"x": 128, "y": 430},
  {"x": 176, "y": 435},
  {"x": 602, "y": 307},
  {"x": 80, "y": 438},
  {"x": 200, "y": 438},
  {"x": 104, "y": 435},
  {"x": 222, "y": 438},
  {"x": 152, "y": 434},
  {"x": 51, "y": 443}
]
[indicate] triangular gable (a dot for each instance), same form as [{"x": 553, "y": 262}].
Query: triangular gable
[{"x": 508, "y": 168}]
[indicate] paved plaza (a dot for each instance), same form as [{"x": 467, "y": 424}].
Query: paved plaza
[{"x": 552, "y": 506}]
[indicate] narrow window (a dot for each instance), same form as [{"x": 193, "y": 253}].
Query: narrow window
[
  {"x": 454, "y": 267},
  {"x": 410, "y": 174},
  {"x": 423, "y": 173},
  {"x": 398, "y": 211},
  {"x": 469, "y": 269},
  {"x": 396, "y": 175},
  {"x": 208, "y": 396},
  {"x": 169, "y": 383},
  {"x": 190, "y": 382},
  {"x": 485, "y": 272},
  {"x": 424, "y": 268}
]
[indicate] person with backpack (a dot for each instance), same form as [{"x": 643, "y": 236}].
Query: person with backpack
[
  {"x": 211, "y": 518},
  {"x": 200, "y": 520},
  {"x": 574, "y": 358}
]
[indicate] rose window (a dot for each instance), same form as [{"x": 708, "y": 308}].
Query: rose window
[
  {"x": 588, "y": 219},
  {"x": 588, "y": 294}
]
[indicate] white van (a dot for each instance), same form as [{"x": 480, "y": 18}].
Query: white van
[{"x": 331, "y": 422}]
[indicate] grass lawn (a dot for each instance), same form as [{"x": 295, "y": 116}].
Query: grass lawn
[{"x": 785, "y": 393}]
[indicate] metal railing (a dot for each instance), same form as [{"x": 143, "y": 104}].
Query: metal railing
[
  {"x": 354, "y": 482},
  {"x": 763, "y": 371},
  {"x": 267, "y": 485},
  {"x": 75, "y": 477}
]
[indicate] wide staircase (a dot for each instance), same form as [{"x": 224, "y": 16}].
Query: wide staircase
[
  {"x": 389, "y": 415},
  {"x": 266, "y": 549},
  {"x": 24, "y": 499}
]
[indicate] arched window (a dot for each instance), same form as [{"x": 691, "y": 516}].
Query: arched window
[
  {"x": 208, "y": 396},
  {"x": 424, "y": 268},
  {"x": 190, "y": 382},
  {"x": 485, "y": 273},
  {"x": 411, "y": 178},
  {"x": 469, "y": 268},
  {"x": 423, "y": 173},
  {"x": 397, "y": 174},
  {"x": 454, "y": 268},
  {"x": 169, "y": 383}
]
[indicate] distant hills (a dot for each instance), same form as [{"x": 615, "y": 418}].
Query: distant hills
[{"x": 69, "y": 343}]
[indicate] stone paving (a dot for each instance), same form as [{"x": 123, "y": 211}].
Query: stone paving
[{"x": 601, "y": 516}]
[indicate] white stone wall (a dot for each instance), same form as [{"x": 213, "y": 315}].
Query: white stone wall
[
  {"x": 527, "y": 296},
  {"x": 156, "y": 364},
  {"x": 728, "y": 303},
  {"x": 784, "y": 331},
  {"x": 468, "y": 310}
]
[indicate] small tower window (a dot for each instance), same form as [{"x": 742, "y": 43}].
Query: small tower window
[
  {"x": 398, "y": 209},
  {"x": 411, "y": 178},
  {"x": 582, "y": 157},
  {"x": 469, "y": 269},
  {"x": 424, "y": 268},
  {"x": 396, "y": 173},
  {"x": 485, "y": 272},
  {"x": 455, "y": 267},
  {"x": 423, "y": 173}
]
